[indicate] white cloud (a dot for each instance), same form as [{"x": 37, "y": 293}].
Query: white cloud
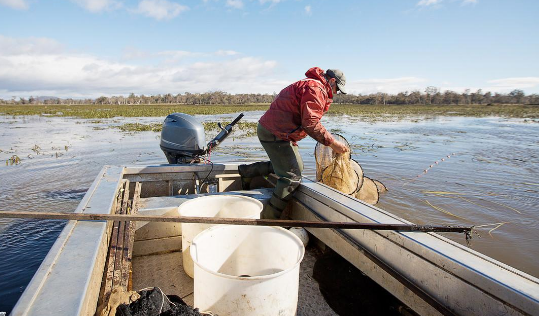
[
  {"x": 392, "y": 85},
  {"x": 237, "y": 4},
  {"x": 509, "y": 84},
  {"x": 226, "y": 53},
  {"x": 15, "y": 4},
  {"x": 131, "y": 53},
  {"x": 43, "y": 67},
  {"x": 160, "y": 9},
  {"x": 308, "y": 10},
  {"x": 98, "y": 5},
  {"x": 465, "y": 2},
  {"x": 428, "y": 2},
  {"x": 31, "y": 46},
  {"x": 171, "y": 56}
]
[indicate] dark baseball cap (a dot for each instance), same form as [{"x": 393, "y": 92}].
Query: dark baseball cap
[{"x": 339, "y": 77}]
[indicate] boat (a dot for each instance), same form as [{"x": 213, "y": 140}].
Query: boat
[{"x": 430, "y": 274}]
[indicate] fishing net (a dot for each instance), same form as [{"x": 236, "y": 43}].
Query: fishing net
[
  {"x": 324, "y": 155},
  {"x": 340, "y": 175},
  {"x": 368, "y": 192},
  {"x": 380, "y": 186},
  {"x": 153, "y": 302},
  {"x": 343, "y": 173},
  {"x": 359, "y": 171}
]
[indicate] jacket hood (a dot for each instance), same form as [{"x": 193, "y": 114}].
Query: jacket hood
[{"x": 318, "y": 74}]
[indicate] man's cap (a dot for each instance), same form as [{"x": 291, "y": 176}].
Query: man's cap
[{"x": 339, "y": 77}]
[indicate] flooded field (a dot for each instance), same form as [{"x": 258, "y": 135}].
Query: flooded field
[{"x": 438, "y": 170}]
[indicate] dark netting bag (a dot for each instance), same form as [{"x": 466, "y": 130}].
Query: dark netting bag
[{"x": 153, "y": 302}]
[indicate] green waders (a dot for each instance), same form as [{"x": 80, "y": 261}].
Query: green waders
[{"x": 287, "y": 164}]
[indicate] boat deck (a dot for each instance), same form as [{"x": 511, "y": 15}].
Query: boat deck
[
  {"x": 427, "y": 272},
  {"x": 157, "y": 259}
]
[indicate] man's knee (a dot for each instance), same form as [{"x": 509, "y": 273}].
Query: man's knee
[{"x": 256, "y": 169}]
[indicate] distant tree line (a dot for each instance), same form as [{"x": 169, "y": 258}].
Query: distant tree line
[{"x": 431, "y": 95}]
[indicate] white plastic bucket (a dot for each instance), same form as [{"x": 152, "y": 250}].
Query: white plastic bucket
[
  {"x": 247, "y": 270},
  {"x": 224, "y": 206}
]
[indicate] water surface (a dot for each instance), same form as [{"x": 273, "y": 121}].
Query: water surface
[{"x": 439, "y": 170}]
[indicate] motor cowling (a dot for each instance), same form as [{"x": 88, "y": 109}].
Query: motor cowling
[{"x": 182, "y": 138}]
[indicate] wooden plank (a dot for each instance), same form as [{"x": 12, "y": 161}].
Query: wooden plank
[
  {"x": 241, "y": 221},
  {"x": 131, "y": 236},
  {"x": 119, "y": 247},
  {"x": 107, "y": 282},
  {"x": 124, "y": 265}
]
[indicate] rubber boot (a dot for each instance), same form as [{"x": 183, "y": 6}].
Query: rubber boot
[{"x": 248, "y": 172}]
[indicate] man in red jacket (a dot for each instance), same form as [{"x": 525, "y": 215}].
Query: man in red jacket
[{"x": 294, "y": 114}]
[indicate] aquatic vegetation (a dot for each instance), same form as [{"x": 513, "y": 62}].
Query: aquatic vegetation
[
  {"x": 241, "y": 129},
  {"x": 138, "y": 127},
  {"x": 374, "y": 113},
  {"x": 36, "y": 149},
  {"x": 97, "y": 111},
  {"x": 14, "y": 160}
]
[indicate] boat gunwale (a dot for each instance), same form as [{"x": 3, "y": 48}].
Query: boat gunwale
[{"x": 415, "y": 246}]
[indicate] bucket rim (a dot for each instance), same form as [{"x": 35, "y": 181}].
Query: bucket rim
[
  {"x": 207, "y": 197},
  {"x": 253, "y": 278}
]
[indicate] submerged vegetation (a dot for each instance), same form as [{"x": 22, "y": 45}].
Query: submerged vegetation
[
  {"x": 99, "y": 111},
  {"x": 244, "y": 129},
  {"x": 138, "y": 127}
]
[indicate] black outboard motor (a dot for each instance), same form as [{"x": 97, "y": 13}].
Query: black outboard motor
[{"x": 183, "y": 138}]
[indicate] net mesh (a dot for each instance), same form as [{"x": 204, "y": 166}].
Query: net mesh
[
  {"x": 324, "y": 155},
  {"x": 343, "y": 173},
  {"x": 340, "y": 175},
  {"x": 368, "y": 192}
]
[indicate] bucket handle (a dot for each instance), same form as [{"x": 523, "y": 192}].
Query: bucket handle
[{"x": 196, "y": 250}]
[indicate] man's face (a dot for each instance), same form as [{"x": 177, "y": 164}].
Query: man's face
[{"x": 333, "y": 84}]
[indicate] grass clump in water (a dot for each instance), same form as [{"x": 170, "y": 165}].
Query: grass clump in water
[
  {"x": 14, "y": 160},
  {"x": 242, "y": 129},
  {"x": 138, "y": 127}
]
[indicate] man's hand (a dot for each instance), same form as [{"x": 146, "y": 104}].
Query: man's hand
[{"x": 338, "y": 147}]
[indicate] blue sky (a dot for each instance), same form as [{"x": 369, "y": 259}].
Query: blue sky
[{"x": 89, "y": 48}]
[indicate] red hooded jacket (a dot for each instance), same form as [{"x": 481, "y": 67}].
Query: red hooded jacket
[{"x": 297, "y": 110}]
